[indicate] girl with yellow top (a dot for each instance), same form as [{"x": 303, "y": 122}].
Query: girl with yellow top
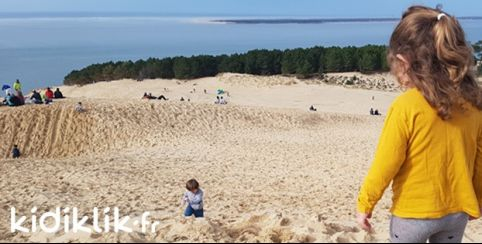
[{"x": 431, "y": 144}]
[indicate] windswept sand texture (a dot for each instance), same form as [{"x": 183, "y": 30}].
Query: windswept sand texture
[{"x": 272, "y": 171}]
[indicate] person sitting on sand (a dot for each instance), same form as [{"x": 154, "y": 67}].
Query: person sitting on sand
[
  {"x": 15, "y": 152},
  {"x": 194, "y": 200},
  {"x": 36, "y": 97},
  {"x": 9, "y": 100},
  {"x": 372, "y": 112},
  {"x": 430, "y": 149},
  {"x": 222, "y": 101},
  {"x": 8, "y": 91},
  {"x": 79, "y": 108},
  {"x": 49, "y": 93},
  {"x": 13, "y": 101},
  {"x": 218, "y": 100},
  {"x": 48, "y": 96},
  {"x": 44, "y": 98},
  {"x": 182, "y": 99},
  {"x": 58, "y": 94},
  {"x": 377, "y": 113},
  {"x": 20, "y": 97},
  {"x": 145, "y": 96},
  {"x": 312, "y": 108}
]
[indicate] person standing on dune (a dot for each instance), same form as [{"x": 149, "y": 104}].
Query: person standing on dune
[
  {"x": 15, "y": 152},
  {"x": 17, "y": 86},
  {"x": 431, "y": 144}
]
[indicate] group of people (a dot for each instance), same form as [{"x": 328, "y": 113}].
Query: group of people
[
  {"x": 375, "y": 112},
  {"x": 46, "y": 97},
  {"x": 220, "y": 100},
  {"x": 14, "y": 97}
]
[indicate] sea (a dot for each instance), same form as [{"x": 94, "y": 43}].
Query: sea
[{"x": 41, "y": 49}]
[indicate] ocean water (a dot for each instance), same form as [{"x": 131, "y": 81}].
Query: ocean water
[{"x": 40, "y": 51}]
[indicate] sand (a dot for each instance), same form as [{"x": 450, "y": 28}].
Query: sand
[
  {"x": 247, "y": 90},
  {"x": 272, "y": 171}
]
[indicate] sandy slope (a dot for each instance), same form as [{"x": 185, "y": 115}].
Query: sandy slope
[
  {"x": 269, "y": 92},
  {"x": 270, "y": 173}
]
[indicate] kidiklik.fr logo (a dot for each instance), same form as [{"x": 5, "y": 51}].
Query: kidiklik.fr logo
[{"x": 68, "y": 220}]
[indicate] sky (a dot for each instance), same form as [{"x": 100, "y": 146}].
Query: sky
[{"x": 318, "y": 8}]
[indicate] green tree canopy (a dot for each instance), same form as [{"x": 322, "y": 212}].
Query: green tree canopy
[{"x": 302, "y": 62}]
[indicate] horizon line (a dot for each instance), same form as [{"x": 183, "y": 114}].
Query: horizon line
[{"x": 170, "y": 14}]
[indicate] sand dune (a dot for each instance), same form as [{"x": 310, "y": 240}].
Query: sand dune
[
  {"x": 265, "y": 171},
  {"x": 272, "y": 171},
  {"x": 247, "y": 90},
  {"x": 58, "y": 131}
]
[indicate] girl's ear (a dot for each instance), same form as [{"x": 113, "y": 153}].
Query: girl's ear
[{"x": 403, "y": 61}]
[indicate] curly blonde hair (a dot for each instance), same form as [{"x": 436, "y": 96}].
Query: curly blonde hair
[{"x": 441, "y": 61}]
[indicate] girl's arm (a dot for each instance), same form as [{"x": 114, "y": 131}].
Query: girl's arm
[
  {"x": 477, "y": 180},
  {"x": 390, "y": 156}
]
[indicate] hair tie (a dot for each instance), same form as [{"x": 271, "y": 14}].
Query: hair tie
[{"x": 440, "y": 16}]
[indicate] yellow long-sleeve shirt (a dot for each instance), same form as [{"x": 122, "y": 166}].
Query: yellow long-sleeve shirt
[{"x": 435, "y": 165}]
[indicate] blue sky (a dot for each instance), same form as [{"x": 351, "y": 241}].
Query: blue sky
[{"x": 321, "y": 8}]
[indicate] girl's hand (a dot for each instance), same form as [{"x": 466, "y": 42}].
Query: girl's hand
[{"x": 363, "y": 222}]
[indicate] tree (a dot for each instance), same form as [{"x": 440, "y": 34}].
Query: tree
[
  {"x": 306, "y": 69},
  {"x": 208, "y": 66},
  {"x": 263, "y": 62},
  {"x": 350, "y": 59},
  {"x": 150, "y": 70},
  {"x": 370, "y": 59},
  {"x": 478, "y": 50},
  {"x": 300, "y": 62},
  {"x": 108, "y": 72},
  {"x": 231, "y": 64},
  {"x": 166, "y": 68},
  {"x": 182, "y": 68},
  {"x": 333, "y": 60},
  {"x": 385, "y": 66},
  {"x": 289, "y": 61}
]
